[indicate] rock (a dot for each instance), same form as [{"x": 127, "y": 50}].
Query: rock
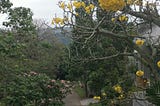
[{"x": 86, "y": 102}]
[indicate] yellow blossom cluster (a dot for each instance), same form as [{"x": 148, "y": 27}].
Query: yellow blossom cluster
[
  {"x": 118, "y": 88},
  {"x": 96, "y": 97},
  {"x": 78, "y": 4},
  {"x": 58, "y": 20},
  {"x": 139, "y": 42},
  {"x": 112, "y": 5},
  {"x": 136, "y": 2},
  {"x": 140, "y": 73},
  {"x": 69, "y": 6},
  {"x": 62, "y": 5},
  {"x": 89, "y": 8},
  {"x": 130, "y": 2},
  {"x": 121, "y": 18}
]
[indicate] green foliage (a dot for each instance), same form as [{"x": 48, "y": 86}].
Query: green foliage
[
  {"x": 152, "y": 93},
  {"x": 20, "y": 20},
  {"x": 23, "y": 54},
  {"x": 80, "y": 91},
  {"x": 5, "y": 5},
  {"x": 9, "y": 46},
  {"x": 46, "y": 45},
  {"x": 96, "y": 104},
  {"x": 98, "y": 73},
  {"x": 34, "y": 89}
]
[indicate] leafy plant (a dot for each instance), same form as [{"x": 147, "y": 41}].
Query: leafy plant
[
  {"x": 153, "y": 93},
  {"x": 35, "y": 89}
]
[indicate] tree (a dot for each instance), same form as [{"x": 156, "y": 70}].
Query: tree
[
  {"x": 87, "y": 62},
  {"x": 20, "y": 19},
  {"x": 128, "y": 32},
  {"x": 5, "y": 6},
  {"x": 28, "y": 59},
  {"x": 41, "y": 47},
  {"x": 117, "y": 20}
]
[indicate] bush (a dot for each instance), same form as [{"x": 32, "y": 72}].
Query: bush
[{"x": 33, "y": 89}]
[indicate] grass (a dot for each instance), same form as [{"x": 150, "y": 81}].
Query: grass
[
  {"x": 95, "y": 104},
  {"x": 80, "y": 91},
  {"x": 1, "y": 104}
]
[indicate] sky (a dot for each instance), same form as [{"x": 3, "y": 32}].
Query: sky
[{"x": 42, "y": 9}]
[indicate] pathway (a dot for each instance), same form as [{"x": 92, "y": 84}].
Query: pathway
[{"x": 72, "y": 100}]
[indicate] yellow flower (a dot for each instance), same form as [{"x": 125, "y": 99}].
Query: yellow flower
[
  {"x": 112, "y": 5},
  {"x": 139, "y": 42},
  {"x": 76, "y": 14},
  {"x": 113, "y": 19},
  {"x": 130, "y": 2},
  {"x": 118, "y": 88},
  {"x": 97, "y": 97},
  {"x": 62, "y": 5},
  {"x": 121, "y": 96},
  {"x": 83, "y": 4},
  {"x": 140, "y": 73},
  {"x": 123, "y": 18},
  {"x": 77, "y": 4},
  {"x": 158, "y": 64},
  {"x": 87, "y": 9},
  {"x": 69, "y": 6},
  {"x": 138, "y": 2},
  {"x": 91, "y": 6},
  {"x": 58, "y": 21}
]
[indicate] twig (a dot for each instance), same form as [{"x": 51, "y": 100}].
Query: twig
[{"x": 94, "y": 31}]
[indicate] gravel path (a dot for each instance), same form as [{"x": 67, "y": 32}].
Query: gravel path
[{"x": 72, "y": 100}]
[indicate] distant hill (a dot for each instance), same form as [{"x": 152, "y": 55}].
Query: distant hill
[{"x": 63, "y": 36}]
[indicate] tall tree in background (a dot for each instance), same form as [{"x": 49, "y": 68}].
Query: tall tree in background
[{"x": 5, "y": 5}]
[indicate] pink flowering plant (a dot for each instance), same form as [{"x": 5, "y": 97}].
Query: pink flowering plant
[{"x": 33, "y": 89}]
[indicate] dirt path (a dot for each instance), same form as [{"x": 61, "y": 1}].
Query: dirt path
[{"x": 72, "y": 100}]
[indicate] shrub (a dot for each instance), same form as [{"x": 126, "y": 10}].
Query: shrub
[{"x": 33, "y": 89}]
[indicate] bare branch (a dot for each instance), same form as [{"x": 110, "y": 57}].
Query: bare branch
[
  {"x": 106, "y": 57},
  {"x": 151, "y": 18},
  {"x": 95, "y": 30}
]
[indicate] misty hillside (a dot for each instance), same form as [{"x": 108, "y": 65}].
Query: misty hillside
[{"x": 62, "y": 36}]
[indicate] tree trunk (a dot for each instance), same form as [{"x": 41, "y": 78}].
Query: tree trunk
[{"x": 85, "y": 87}]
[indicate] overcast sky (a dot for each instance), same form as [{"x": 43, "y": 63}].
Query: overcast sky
[{"x": 42, "y": 9}]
